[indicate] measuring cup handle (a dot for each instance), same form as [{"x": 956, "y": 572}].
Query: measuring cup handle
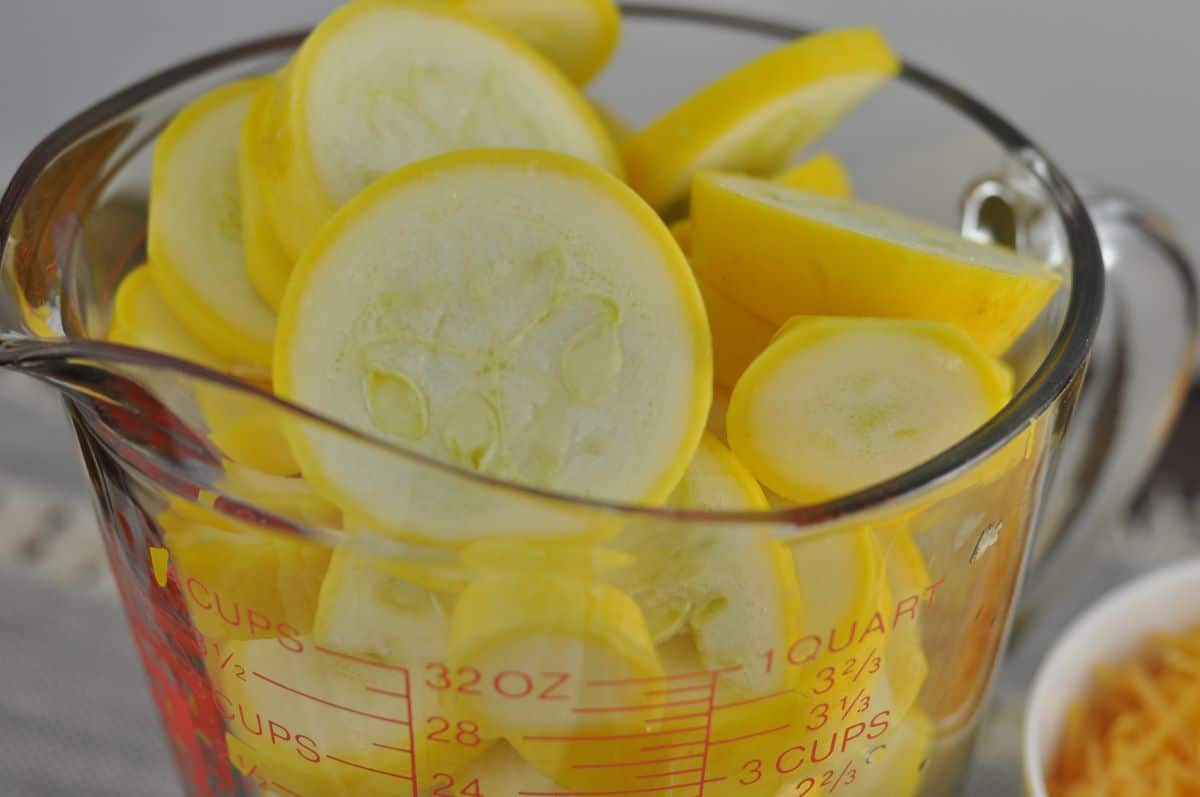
[{"x": 1139, "y": 374}]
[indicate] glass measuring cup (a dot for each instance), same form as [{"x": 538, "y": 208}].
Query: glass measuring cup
[{"x": 274, "y": 676}]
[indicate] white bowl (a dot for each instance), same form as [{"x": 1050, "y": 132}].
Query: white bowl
[{"x": 1109, "y": 632}]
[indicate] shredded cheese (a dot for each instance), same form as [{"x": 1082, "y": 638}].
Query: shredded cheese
[{"x": 1137, "y": 734}]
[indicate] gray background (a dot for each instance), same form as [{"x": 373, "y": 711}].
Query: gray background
[{"x": 1106, "y": 86}]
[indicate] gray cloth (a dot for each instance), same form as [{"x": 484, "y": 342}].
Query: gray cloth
[{"x": 75, "y": 718}]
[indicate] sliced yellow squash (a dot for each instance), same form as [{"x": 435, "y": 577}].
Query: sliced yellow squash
[
  {"x": 365, "y": 610},
  {"x": 781, "y": 251},
  {"x": 194, "y": 233},
  {"x": 318, "y": 721},
  {"x": 519, "y": 314},
  {"x": 561, "y": 656},
  {"x": 380, "y": 84},
  {"x": 754, "y": 119},
  {"x": 578, "y": 36},
  {"x": 835, "y": 405},
  {"x": 244, "y": 582},
  {"x": 268, "y": 265},
  {"x": 244, "y": 428},
  {"x": 739, "y": 334}
]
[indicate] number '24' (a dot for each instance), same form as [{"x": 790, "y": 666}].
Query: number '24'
[{"x": 443, "y": 786}]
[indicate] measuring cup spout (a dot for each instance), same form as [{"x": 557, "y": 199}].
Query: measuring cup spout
[
  {"x": 110, "y": 383},
  {"x": 16, "y": 348},
  {"x": 67, "y": 366}
]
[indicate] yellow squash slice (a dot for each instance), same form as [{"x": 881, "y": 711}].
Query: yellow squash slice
[
  {"x": 245, "y": 429},
  {"x": 140, "y": 318},
  {"x": 384, "y": 83},
  {"x": 290, "y": 498},
  {"x": 755, "y": 118},
  {"x": 501, "y": 770},
  {"x": 739, "y": 334},
  {"x": 781, "y": 252},
  {"x": 715, "y": 597},
  {"x": 821, "y": 174},
  {"x": 906, "y": 664},
  {"x": 268, "y": 265},
  {"x": 838, "y": 404},
  {"x": 194, "y": 235},
  {"x": 243, "y": 582},
  {"x": 365, "y": 610},
  {"x": 319, "y": 721},
  {"x": 559, "y": 656},
  {"x": 618, "y": 129},
  {"x": 726, "y": 586},
  {"x": 843, "y": 586},
  {"x": 578, "y": 36},
  {"x": 519, "y": 314},
  {"x": 887, "y": 758}
]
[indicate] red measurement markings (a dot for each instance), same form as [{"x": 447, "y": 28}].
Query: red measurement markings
[
  {"x": 850, "y": 704},
  {"x": 650, "y": 679},
  {"x": 226, "y": 664},
  {"x": 829, "y": 781},
  {"x": 675, "y": 690},
  {"x": 610, "y": 737},
  {"x": 412, "y": 740},
  {"x": 672, "y": 773},
  {"x": 373, "y": 770},
  {"x": 655, "y": 748},
  {"x": 392, "y": 747},
  {"x": 689, "y": 701},
  {"x": 703, "y": 675},
  {"x": 871, "y": 658},
  {"x": 642, "y": 707},
  {"x": 851, "y": 671},
  {"x": 330, "y": 703},
  {"x": 240, "y": 765},
  {"x": 674, "y": 749},
  {"x": 676, "y": 717},
  {"x": 751, "y": 700},
  {"x": 402, "y": 692},
  {"x": 366, "y": 662},
  {"x": 261, "y": 780},
  {"x": 619, "y": 764},
  {"x": 840, "y": 776},
  {"x": 743, "y": 737},
  {"x": 712, "y": 699},
  {"x": 648, "y": 790}
]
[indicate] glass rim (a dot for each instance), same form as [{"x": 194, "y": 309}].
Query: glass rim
[{"x": 1066, "y": 357}]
